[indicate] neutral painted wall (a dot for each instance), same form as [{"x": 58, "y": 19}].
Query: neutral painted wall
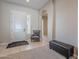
[
  {"x": 0, "y": 19},
  {"x": 5, "y": 9},
  {"x": 62, "y": 20},
  {"x": 49, "y": 9},
  {"x": 66, "y": 21}
]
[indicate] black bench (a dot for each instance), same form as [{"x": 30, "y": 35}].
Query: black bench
[
  {"x": 17, "y": 43},
  {"x": 62, "y": 48}
]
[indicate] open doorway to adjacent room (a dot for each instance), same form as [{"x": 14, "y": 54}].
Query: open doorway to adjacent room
[{"x": 44, "y": 23}]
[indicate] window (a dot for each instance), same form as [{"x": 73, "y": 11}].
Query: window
[{"x": 28, "y": 24}]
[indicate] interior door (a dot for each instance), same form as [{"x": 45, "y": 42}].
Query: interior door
[{"x": 18, "y": 25}]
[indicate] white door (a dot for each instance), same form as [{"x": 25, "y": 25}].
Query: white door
[{"x": 18, "y": 25}]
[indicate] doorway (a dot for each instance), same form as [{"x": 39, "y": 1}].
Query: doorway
[{"x": 45, "y": 25}]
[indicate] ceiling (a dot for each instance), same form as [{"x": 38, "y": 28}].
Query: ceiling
[{"x": 35, "y": 4}]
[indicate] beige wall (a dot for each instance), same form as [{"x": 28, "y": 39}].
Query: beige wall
[
  {"x": 5, "y": 9},
  {"x": 0, "y": 19},
  {"x": 49, "y": 9},
  {"x": 66, "y": 21},
  {"x": 62, "y": 20}
]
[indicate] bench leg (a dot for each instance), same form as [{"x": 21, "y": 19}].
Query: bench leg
[{"x": 67, "y": 58}]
